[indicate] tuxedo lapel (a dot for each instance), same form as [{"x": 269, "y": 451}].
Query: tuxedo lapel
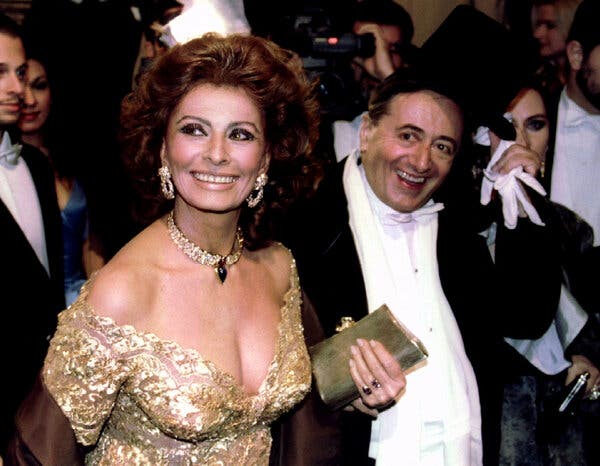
[
  {"x": 20, "y": 250},
  {"x": 44, "y": 184},
  {"x": 327, "y": 259}
]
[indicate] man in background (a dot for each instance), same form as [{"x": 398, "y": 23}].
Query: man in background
[
  {"x": 574, "y": 166},
  {"x": 393, "y": 29},
  {"x": 573, "y": 173},
  {"x": 31, "y": 274}
]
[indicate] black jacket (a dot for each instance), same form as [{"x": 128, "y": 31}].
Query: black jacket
[
  {"x": 517, "y": 296},
  {"x": 31, "y": 299}
]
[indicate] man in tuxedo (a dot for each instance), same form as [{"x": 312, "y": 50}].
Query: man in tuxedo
[
  {"x": 374, "y": 234},
  {"x": 573, "y": 175},
  {"x": 30, "y": 234},
  {"x": 573, "y": 168}
]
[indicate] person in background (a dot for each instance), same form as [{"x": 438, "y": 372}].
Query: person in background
[
  {"x": 550, "y": 23},
  {"x": 393, "y": 29},
  {"x": 82, "y": 252},
  {"x": 90, "y": 49},
  {"x": 157, "y": 14},
  {"x": 573, "y": 170},
  {"x": 536, "y": 369},
  {"x": 31, "y": 272},
  {"x": 188, "y": 344}
]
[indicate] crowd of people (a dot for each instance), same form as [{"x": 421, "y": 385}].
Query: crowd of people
[{"x": 458, "y": 192}]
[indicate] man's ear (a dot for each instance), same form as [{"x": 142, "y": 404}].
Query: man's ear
[
  {"x": 575, "y": 55},
  {"x": 366, "y": 127}
]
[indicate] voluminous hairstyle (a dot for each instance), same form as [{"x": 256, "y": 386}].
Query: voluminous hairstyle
[{"x": 272, "y": 77}]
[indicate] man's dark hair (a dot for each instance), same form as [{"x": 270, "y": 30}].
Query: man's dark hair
[
  {"x": 385, "y": 12},
  {"x": 585, "y": 28},
  {"x": 9, "y": 26},
  {"x": 409, "y": 80}
]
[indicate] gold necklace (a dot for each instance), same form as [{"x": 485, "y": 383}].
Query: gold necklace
[{"x": 196, "y": 253}]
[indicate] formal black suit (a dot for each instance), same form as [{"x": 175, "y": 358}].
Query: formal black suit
[
  {"x": 582, "y": 264},
  {"x": 515, "y": 297},
  {"x": 30, "y": 298}
]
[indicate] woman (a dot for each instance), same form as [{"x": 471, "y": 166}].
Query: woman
[
  {"x": 537, "y": 369},
  {"x": 189, "y": 343},
  {"x": 81, "y": 258}
]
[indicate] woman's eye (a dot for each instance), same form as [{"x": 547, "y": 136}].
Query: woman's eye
[
  {"x": 537, "y": 125},
  {"x": 40, "y": 85},
  {"x": 240, "y": 134},
  {"x": 193, "y": 129}
]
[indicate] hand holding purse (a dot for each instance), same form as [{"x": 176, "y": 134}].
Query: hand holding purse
[{"x": 330, "y": 357}]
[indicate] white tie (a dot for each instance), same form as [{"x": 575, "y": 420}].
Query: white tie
[{"x": 394, "y": 218}]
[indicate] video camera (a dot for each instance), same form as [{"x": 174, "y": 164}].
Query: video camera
[
  {"x": 326, "y": 49},
  {"x": 312, "y": 36}
]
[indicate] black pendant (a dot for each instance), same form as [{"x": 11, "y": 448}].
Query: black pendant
[{"x": 221, "y": 270}]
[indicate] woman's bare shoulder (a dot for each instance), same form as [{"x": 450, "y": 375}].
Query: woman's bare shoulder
[
  {"x": 279, "y": 262},
  {"x": 120, "y": 288}
]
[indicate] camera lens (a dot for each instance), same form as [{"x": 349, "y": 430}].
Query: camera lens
[{"x": 362, "y": 45}]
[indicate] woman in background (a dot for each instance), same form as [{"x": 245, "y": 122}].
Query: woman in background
[
  {"x": 81, "y": 255},
  {"x": 536, "y": 370}
]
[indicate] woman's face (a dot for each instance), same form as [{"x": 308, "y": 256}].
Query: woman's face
[
  {"x": 34, "y": 115},
  {"x": 530, "y": 121},
  {"x": 215, "y": 147}
]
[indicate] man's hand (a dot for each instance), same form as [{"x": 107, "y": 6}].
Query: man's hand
[
  {"x": 379, "y": 65},
  {"x": 377, "y": 375},
  {"x": 580, "y": 365}
]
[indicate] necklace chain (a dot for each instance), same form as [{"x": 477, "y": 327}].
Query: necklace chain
[{"x": 197, "y": 254}]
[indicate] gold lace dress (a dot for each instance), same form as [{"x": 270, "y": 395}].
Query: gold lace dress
[{"x": 141, "y": 400}]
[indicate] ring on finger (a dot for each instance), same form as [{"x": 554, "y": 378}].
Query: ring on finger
[
  {"x": 594, "y": 393},
  {"x": 367, "y": 390},
  {"x": 375, "y": 383}
]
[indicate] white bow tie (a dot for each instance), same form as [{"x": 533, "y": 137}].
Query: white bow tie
[
  {"x": 11, "y": 154},
  {"x": 394, "y": 218}
]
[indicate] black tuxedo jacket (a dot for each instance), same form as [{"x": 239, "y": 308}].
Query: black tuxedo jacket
[
  {"x": 30, "y": 298},
  {"x": 581, "y": 263},
  {"x": 515, "y": 296}
]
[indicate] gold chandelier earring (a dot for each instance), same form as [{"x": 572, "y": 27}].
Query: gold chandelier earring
[
  {"x": 166, "y": 184},
  {"x": 257, "y": 193}
]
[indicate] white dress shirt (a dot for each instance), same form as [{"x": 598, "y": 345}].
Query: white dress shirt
[
  {"x": 576, "y": 170},
  {"x": 19, "y": 194}
]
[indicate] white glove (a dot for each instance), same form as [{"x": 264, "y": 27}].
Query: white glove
[{"x": 511, "y": 191}]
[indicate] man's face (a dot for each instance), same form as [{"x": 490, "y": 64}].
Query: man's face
[
  {"x": 409, "y": 152},
  {"x": 547, "y": 32},
  {"x": 391, "y": 35},
  {"x": 588, "y": 77},
  {"x": 13, "y": 68}
]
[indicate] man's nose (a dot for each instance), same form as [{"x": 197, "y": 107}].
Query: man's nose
[
  {"x": 421, "y": 158},
  {"x": 539, "y": 32},
  {"x": 16, "y": 85}
]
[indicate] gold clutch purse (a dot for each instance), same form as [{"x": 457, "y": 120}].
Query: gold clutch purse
[{"x": 330, "y": 358}]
